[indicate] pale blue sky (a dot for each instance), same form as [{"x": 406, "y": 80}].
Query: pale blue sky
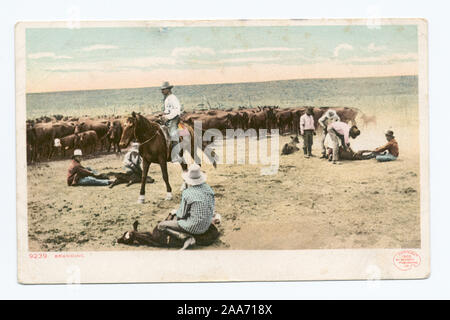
[{"x": 140, "y": 55}]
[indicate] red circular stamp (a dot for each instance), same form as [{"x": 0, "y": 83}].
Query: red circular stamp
[{"x": 406, "y": 260}]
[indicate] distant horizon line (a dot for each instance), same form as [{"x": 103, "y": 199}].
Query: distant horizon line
[{"x": 225, "y": 83}]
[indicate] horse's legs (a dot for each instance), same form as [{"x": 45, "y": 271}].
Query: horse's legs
[
  {"x": 165, "y": 175},
  {"x": 146, "y": 165},
  {"x": 184, "y": 166},
  {"x": 193, "y": 152},
  {"x": 52, "y": 151}
]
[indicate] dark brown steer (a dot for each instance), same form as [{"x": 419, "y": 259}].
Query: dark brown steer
[
  {"x": 156, "y": 238},
  {"x": 284, "y": 121},
  {"x": 113, "y": 135},
  {"x": 352, "y": 155},
  {"x": 100, "y": 128},
  {"x": 88, "y": 141},
  {"x": 66, "y": 143}
]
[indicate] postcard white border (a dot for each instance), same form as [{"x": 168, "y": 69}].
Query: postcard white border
[{"x": 217, "y": 265}]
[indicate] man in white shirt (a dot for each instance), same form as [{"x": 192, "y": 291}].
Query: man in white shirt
[
  {"x": 132, "y": 161},
  {"x": 307, "y": 130},
  {"x": 328, "y": 117},
  {"x": 172, "y": 111}
]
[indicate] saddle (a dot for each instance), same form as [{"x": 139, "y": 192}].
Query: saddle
[{"x": 182, "y": 132}]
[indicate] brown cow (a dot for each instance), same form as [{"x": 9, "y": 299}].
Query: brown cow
[
  {"x": 88, "y": 141},
  {"x": 63, "y": 129},
  {"x": 235, "y": 119},
  {"x": 284, "y": 121},
  {"x": 347, "y": 114},
  {"x": 257, "y": 120},
  {"x": 271, "y": 120},
  {"x": 215, "y": 120},
  {"x": 113, "y": 135},
  {"x": 31, "y": 144},
  {"x": 66, "y": 143},
  {"x": 44, "y": 136},
  {"x": 243, "y": 119},
  {"x": 296, "y": 114},
  {"x": 100, "y": 128}
]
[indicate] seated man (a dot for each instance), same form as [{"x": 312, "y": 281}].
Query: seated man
[
  {"x": 132, "y": 161},
  {"x": 391, "y": 147},
  {"x": 77, "y": 175},
  {"x": 196, "y": 211}
]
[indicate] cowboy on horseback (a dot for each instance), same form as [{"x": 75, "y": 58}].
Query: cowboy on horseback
[{"x": 172, "y": 111}]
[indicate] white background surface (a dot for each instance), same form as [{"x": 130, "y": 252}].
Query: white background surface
[{"x": 437, "y": 14}]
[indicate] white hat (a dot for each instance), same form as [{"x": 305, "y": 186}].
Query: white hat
[
  {"x": 57, "y": 142},
  {"x": 135, "y": 146},
  {"x": 77, "y": 152},
  {"x": 194, "y": 176},
  {"x": 166, "y": 85}
]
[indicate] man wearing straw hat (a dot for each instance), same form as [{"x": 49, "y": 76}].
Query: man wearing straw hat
[
  {"x": 196, "y": 210},
  {"x": 391, "y": 147},
  {"x": 172, "y": 112},
  {"x": 329, "y": 116},
  {"x": 77, "y": 175}
]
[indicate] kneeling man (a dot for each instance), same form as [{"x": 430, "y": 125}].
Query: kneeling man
[
  {"x": 196, "y": 211},
  {"x": 341, "y": 132}
]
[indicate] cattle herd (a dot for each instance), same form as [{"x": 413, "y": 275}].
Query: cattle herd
[{"x": 57, "y": 136}]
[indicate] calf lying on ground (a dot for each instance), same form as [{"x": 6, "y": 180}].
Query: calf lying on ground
[
  {"x": 128, "y": 178},
  {"x": 158, "y": 238},
  {"x": 352, "y": 155},
  {"x": 290, "y": 147}
]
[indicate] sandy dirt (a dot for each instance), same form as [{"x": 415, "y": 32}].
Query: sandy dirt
[{"x": 307, "y": 204}]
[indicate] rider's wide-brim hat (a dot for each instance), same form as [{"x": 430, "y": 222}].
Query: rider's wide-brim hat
[
  {"x": 194, "y": 176},
  {"x": 166, "y": 85}
]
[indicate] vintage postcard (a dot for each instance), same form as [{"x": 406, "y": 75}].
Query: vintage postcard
[{"x": 240, "y": 150}]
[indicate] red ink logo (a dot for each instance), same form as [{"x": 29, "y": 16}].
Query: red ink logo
[{"x": 406, "y": 260}]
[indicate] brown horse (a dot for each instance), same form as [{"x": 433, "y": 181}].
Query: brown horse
[{"x": 153, "y": 148}]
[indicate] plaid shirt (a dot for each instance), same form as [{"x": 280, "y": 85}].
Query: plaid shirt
[{"x": 196, "y": 209}]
